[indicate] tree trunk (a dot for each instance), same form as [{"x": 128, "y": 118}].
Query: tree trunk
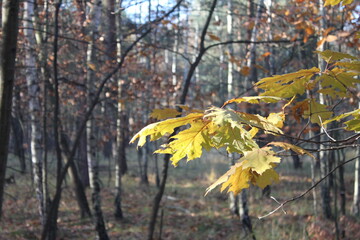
[
  {"x": 10, "y": 27},
  {"x": 18, "y": 134},
  {"x": 355, "y": 207},
  {"x": 144, "y": 160},
  {"x": 182, "y": 100},
  {"x": 74, "y": 175},
  {"x": 82, "y": 160},
  {"x": 230, "y": 75},
  {"x": 233, "y": 199},
  {"x": 323, "y": 156},
  {"x": 120, "y": 154},
  {"x": 50, "y": 226},
  {"x": 34, "y": 106},
  {"x": 252, "y": 78},
  {"x": 174, "y": 63},
  {"x": 244, "y": 213},
  {"x": 93, "y": 161}
]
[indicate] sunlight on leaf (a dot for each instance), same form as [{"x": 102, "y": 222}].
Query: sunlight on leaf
[
  {"x": 165, "y": 113},
  {"x": 159, "y": 129},
  {"x": 254, "y": 99},
  {"x": 188, "y": 143},
  {"x": 287, "y": 85},
  {"x": 288, "y": 146},
  {"x": 260, "y": 160},
  {"x": 332, "y": 56}
]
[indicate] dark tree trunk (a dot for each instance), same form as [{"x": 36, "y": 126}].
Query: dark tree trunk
[
  {"x": 143, "y": 160},
  {"x": 18, "y": 135},
  {"x": 10, "y": 28},
  {"x": 78, "y": 186},
  {"x": 296, "y": 160},
  {"x": 82, "y": 161},
  {"x": 96, "y": 200}
]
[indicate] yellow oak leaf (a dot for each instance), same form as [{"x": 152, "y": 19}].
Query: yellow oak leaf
[
  {"x": 259, "y": 160},
  {"x": 288, "y": 146},
  {"x": 188, "y": 143},
  {"x": 164, "y": 113},
  {"x": 223, "y": 116},
  {"x": 234, "y": 139},
  {"x": 277, "y": 119},
  {"x": 336, "y": 2},
  {"x": 236, "y": 179},
  {"x": 254, "y": 99},
  {"x": 287, "y": 85},
  {"x": 267, "y": 178},
  {"x": 159, "y": 129}
]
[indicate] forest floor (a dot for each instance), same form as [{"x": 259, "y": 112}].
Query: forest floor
[{"x": 185, "y": 212}]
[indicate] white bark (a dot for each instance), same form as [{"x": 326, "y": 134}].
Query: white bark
[
  {"x": 94, "y": 23},
  {"x": 230, "y": 75},
  {"x": 34, "y": 104}
]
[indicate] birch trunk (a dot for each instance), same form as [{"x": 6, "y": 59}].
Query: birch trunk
[
  {"x": 93, "y": 161},
  {"x": 120, "y": 154},
  {"x": 233, "y": 200},
  {"x": 34, "y": 106},
  {"x": 230, "y": 75}
]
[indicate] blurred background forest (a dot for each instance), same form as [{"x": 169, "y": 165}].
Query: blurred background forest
[{"x": 88, "y": 75}]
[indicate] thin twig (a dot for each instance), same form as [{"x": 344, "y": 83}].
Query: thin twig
[
  {"x": 327, "y": 134},
  {"x": 308, "y": 190}
]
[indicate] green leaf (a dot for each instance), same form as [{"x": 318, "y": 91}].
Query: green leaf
[
  {"x": 353, "y": 124},
  {"x": 332, "y": 56},
  {"x": 354, "y": 113},
  {"x": 353, "y": 65},
  {"x": 287, "y": 85},
  {"x": 317, "y": 111}
]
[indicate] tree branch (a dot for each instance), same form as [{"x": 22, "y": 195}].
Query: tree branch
[{"x": 308, "y": 190}]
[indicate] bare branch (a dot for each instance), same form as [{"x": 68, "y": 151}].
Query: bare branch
[{"x": 308, "y": 190}]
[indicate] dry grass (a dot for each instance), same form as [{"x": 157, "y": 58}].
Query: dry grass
[{"x": 186, "y": 213}]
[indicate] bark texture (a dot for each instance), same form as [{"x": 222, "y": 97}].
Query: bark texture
[{"x": 10, "y": 25}]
